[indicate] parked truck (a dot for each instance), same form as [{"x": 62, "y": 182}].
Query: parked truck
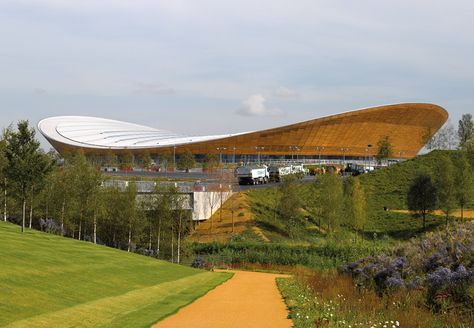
[
  {"x": 298, "y": 170},
  {"x": 252, "y": 174},
  {"x": 277, "y": 172}
]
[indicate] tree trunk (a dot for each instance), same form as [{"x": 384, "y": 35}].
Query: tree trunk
[
  {"x": 80, "y": 226},
  {"x": 232, "y": 220},
  {"x": 80, "y": 230},
  {"x": 63, "y": 207},
  {"x": 210, "y": 219},
  {"x": 5, "y": 202},
  {"x": 129, "y": 237},
  {"x": 158, "y": 239},
  {"x": 220, "y": 208},
  {"x": 149, "y": 237},
  {"x": 95, "y": 228},
  {"x": 23, "y": 216},
  {"x": 179, "y": 240},
  {"x": 462, "y": 212},
  {"x": 31, "y": 213},
  {"x": 424, "y": 221},
  {"x": 172, "y": 245}
]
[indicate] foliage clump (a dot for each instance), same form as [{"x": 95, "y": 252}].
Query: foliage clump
[{"x": 441, "y": 264}]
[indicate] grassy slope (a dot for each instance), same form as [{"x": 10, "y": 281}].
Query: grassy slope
[
  {"x": 388, "y": 187},
  {"x": 385, "y": 187},
  {"x": 47, "y": 281}
]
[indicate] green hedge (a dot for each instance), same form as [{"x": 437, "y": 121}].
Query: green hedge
[{"x": 328, "y": 255}]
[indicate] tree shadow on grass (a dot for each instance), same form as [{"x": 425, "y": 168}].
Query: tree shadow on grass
[{"x": 267, "y": 226}]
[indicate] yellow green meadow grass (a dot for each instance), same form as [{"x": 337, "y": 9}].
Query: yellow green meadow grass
[{"x": 50, "y": 281}]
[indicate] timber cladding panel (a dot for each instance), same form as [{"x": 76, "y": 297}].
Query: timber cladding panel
[{"x": 406, "y": 126}]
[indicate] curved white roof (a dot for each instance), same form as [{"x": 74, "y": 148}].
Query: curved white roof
[{"x": 94, "y": 132}]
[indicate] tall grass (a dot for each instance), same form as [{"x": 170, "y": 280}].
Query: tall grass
[
  {"x": 324, "y": 255},
  {"x": 328, "y": 299}
]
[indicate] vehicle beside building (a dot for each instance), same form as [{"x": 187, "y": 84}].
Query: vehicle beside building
[
  {"x": 252, "y": 174},
  {"x": 277, "y": 172}
]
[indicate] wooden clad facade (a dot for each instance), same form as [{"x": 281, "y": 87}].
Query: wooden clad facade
[{"x": 347, "y": 134}]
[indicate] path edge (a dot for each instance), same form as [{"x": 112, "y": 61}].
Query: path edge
[{"x": 230, "y": 275}]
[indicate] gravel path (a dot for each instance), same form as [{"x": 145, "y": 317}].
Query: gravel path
[{"x": 248, "y": 299}]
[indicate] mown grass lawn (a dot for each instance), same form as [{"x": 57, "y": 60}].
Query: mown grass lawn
[{"x": 50, "y": 281}]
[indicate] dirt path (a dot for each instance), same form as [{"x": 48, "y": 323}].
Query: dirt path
[
  {"x": 248, "y": 299},
  {"x": 468, "y": 213}
]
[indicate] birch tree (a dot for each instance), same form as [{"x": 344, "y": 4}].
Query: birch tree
[
  {"x": 446, "y": 184},
  {"x": 354, "y": 204},
  {"x": 86, "y": 183},
  {"x": 464, "y": 182},
  {"x": 22, "y": 152},
  {"x": 3, "y": 174},
  {"x": 330, "y": 200}
]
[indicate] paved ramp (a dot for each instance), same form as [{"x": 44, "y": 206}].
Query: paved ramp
[{"x": 248, "y": 299}]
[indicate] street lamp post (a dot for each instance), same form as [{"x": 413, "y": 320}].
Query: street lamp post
[
  {"x": 220, "y": 149},
  {"x": 293, "y": 149},
  {"x": 344, "y": 150},
  {"x": 259, "y": 149},
  {"x": 174, "y": 158},
  {"x": 369, "y": 146},
  {"x": 233, "y": 156},
  {"x": 400, "y": 153},
  {"x": 366, "y": 159},
  {"x": 319, "y": 149}
]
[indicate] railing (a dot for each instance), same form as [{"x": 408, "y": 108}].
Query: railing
[{"x": 145, "y": 187}]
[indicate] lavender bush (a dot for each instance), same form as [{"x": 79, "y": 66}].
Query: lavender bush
[
  {"x": 441, "y": 263},
  {"x": 49, "y": 225}
]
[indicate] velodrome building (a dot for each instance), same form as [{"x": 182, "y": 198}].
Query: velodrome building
[{"x": 353, "y": 134}]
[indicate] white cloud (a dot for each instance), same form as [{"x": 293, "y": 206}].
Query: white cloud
[
  {"x": 284, "y": 92},
  {"x": 40, "y": 91},
  {"x": 255, "y": 106}
]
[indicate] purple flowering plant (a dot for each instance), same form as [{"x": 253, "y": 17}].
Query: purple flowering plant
[{"x": 441, "y": 264}]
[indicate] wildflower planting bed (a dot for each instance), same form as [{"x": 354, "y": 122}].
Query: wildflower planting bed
[
  {"x": 426, "y": 282},
  {"x": 51, "y": 281},
  {"x": 330, "y": 300},
  {"x": 441, "y": 264}
]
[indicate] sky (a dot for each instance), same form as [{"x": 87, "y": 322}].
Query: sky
[{"x": 212, "y": 67}]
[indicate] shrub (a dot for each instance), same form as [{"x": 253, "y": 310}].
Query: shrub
[{"x": 442, "y": 263}]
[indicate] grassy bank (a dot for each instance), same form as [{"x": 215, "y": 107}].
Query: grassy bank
[
  {"x": 384, "y": 189},
  {"x": 50, "y": 281},
  {"x": 388, "y": 187}
]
